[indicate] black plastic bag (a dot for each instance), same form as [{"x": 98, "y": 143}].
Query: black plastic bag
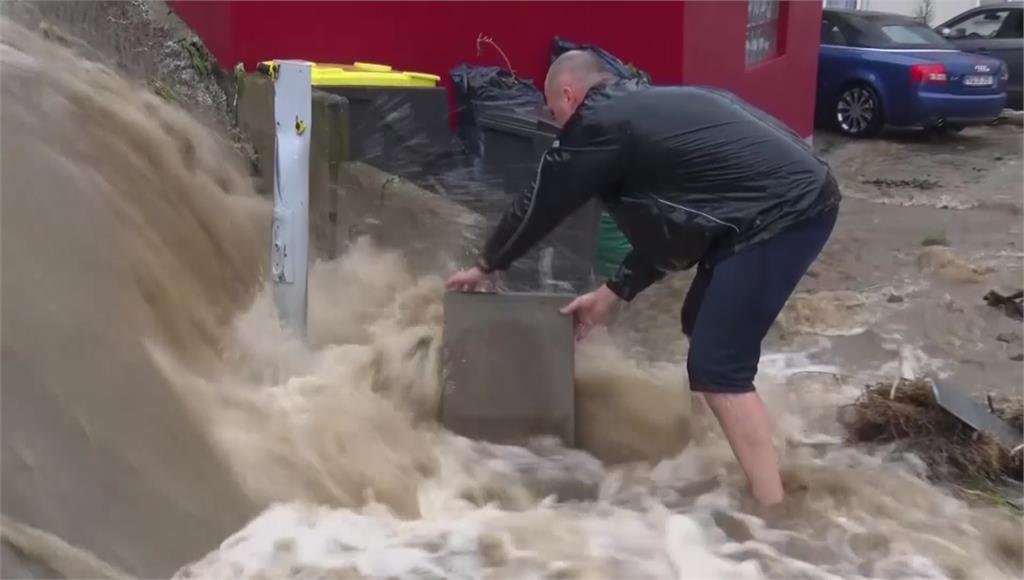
[
  {"x": 491, "y": 84},
  {"x": 482, "y": 88},
  {"x": 620, "y": 69}
]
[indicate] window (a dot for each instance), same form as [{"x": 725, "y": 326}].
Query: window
[
  {"x": 762, "y": 30},
  {"x": 841, "y": 4},
  {"x": 982, "y": 25},
  {"x": 831, "y": 34},
  {"x": 911, "y": 35},
  {"x": 1013, "y": 26}
]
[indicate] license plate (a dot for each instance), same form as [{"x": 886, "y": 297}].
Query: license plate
[{"x": 978, "y": 80}]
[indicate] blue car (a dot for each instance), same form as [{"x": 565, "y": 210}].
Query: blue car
[{"x": 877, "y": 69}]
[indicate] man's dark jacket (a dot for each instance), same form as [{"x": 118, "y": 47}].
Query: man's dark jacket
[{"x": 689, "y": 174}]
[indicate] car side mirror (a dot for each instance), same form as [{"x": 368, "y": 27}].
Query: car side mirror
[{"x": 946, "y": 32}]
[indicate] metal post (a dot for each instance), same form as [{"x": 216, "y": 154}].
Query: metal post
[{"x": 289, "y": 261}]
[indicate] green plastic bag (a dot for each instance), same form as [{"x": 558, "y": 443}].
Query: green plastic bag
[{"x": 612, "y": 246}]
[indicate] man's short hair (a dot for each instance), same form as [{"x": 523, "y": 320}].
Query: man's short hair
[{"x": 580, "y": 65}]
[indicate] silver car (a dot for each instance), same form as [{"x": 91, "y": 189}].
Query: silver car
[{"x": 995, "y": 30}]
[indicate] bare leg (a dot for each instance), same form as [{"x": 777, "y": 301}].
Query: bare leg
[{"x": 744, "y": 419}]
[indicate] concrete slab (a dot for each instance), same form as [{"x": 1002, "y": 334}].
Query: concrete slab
[
  {"x": 508, "y": 366},
  {"x": 975, "y": 413}
]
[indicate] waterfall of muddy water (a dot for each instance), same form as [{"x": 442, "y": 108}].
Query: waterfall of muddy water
[{"x": 152, "y": 406}]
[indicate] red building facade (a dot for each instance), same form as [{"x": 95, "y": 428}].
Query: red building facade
[{"x": 766, "y": 51}]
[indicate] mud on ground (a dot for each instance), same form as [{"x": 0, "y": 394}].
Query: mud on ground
[{"x": 927, "y": 257}]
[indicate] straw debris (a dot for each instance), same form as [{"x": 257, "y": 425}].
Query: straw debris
[{"x": 907, "y": 414}]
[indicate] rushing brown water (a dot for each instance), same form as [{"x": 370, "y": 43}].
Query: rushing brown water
[{"x": 152, "y": 405}]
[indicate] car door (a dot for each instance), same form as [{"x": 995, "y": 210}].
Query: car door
[
  {"x": 997, "y": 31},
  {"x": 1009, "y": 46}
]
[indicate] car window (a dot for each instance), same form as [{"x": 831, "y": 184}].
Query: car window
[
  {"x": 848, "y": 31},
  {"x": 1013, "y": 25},
  {"x": 830, "y": 33},
  {"x": 981, "y": 25},
  {"x": 911, "y": 35}
]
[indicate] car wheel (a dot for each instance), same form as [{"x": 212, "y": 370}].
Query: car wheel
[{"x": 857, "y": 111}]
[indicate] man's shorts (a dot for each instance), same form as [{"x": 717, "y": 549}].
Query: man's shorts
[{"x": 731, "y": 305}]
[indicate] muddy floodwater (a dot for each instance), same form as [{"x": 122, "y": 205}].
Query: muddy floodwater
[{"x": 158, "y": 422}]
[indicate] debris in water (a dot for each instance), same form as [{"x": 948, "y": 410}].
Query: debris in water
[
  {"x": 1011, "y": 304},
  {"x": 980, "y": 417},
  {"x": 829, "y": 313},
  {"x": 939, "y": 239},
  {"x": 946, "y": 263},
  {"x": 907, "y": 413},
  {"x": 1010, "y": 410},
  {"x": 1008, "y": 337},
  {"x": 1011, "y": 117},
  {"x": 940, "y": 201},
  {"x": 913, "y": 183}
]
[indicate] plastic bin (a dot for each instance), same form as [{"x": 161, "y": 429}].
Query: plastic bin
[
  {"x": 363, "y": 74},
  {"x": 514, "y": 140},
  {"x": 358, "y": 74},
  {"x": 478, "y": 89},
  {"x": 398, "y": 120}
]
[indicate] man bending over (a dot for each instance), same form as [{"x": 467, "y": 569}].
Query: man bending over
[{"x": 693, "y": 177}]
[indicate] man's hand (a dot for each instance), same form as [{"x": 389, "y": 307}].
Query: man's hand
[
  {"x": 470, "y": 280},
  {"x": 591, "y": 309}
]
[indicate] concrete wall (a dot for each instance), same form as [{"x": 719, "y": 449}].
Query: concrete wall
[{"x": 784, "y": 86}]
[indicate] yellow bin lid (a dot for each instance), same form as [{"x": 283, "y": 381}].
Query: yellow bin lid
[{"x": 362, "y": 74}]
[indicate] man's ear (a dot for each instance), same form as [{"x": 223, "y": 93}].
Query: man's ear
[{"x": 568, "y": 93}]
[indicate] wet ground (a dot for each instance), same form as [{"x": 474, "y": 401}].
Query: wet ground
[{"x": 928, "y": 226}]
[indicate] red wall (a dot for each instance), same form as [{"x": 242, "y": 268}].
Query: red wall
[
  {"x": 783, "y": 86},
  {"x": 436, "y": 36},
  {"x": 694, "y": 42},
  {"x": 212, "y": 22}
]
